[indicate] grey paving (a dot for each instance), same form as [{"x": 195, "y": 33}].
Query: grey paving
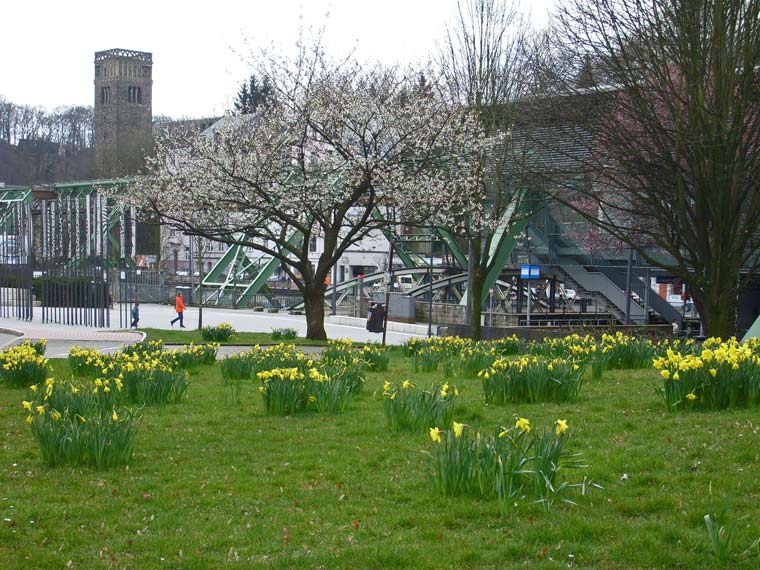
[{"x": 61, "y": 338}]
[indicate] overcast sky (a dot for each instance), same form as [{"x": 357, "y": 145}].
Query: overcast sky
[{"x": 201, "y": 50}]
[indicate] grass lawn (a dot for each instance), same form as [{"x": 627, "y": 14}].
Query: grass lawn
[
  {"x": 214, "y": 485},
  {"x": 179, "y": 336}
]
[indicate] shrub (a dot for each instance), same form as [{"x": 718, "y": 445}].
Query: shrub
[
  {"x": 219, "y": 333},
  {"x": 284, "y": 334}
]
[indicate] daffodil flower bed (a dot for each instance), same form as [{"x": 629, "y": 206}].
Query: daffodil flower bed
[
  {"x": 218, "y": 333},
  {"x": 39, "y": 346},
  {"x": 531, "y": 379},
  {"x": 22, "y": 366},
  {"x": 516, "y": 463},
  {"x": 193, "y": 355},
  {"x": 622, "y": 352},
  {"x": 143, "y": 347},
  {"x": 407, "y": 407},
  {"x": 76, "y": 425},
  {"x": 722, "y": 375},
  {"x": 375, "y": 357},
  {"x": 288, "y": 391},
  {"x": 148, "y": 376}
]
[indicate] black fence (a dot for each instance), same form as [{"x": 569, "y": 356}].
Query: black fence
[
  {"x": 16, "y": 296},
  {"x": 73, "y": 293}
]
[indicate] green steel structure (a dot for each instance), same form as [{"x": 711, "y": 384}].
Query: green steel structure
[{"x": 72, "y": 220}]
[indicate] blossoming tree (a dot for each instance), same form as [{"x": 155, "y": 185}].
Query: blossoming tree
[{"x": 339, "y": 143}]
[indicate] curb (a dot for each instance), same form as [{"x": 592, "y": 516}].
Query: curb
[{"x": 18, "y": 334}]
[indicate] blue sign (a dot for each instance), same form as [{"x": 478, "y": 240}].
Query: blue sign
[{"x": 530, "y": 272}]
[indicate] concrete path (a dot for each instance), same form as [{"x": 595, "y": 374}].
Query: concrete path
[{"x": 62, "y": 337}]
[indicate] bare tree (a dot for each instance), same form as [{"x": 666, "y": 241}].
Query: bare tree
[
  {"x": 669, "y": 96},
  {"x": 483, "y": 60}
]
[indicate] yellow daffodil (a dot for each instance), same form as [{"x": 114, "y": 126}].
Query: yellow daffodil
[
  {"x": 406, "y": 385},
  {"x": 40, "y": 410},
  {"x": 435, "y": 434},
  {"x": 27, "y": 405},
  {"x": 561, "y": 427},
  {"x": 29, "y": 419},
  {"x": 522, "y": 424},
  {"x": 458, "y": 429},
  {"x": 691, "y": 396},
  {"x": 713, "y": 372},
  {"x": 56, "y": 415},
  {"x": 665, "y": 374},
  {"x": 676, "y": 376}
]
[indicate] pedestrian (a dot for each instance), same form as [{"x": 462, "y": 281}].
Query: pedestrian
[
  {"x": 676, "y": 328},
  {"x": 135, "y": 315},
  {"x": 179, "y": 306}
]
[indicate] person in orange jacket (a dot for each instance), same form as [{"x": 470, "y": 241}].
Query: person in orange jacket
[{"x": 179, "y": 305}]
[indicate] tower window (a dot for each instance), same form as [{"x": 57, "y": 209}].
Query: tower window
[
  {"x": 134, "y": 94},
  {"x": 105, "y": 95}
]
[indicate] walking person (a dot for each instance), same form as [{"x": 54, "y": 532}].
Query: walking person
[
  {"x": 179, "y": 306},
  {"x": 135, "y": 315}
]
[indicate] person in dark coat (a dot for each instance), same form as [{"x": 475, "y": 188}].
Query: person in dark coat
[{"x": 135, "y": 315}]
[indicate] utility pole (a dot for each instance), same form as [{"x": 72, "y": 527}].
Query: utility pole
[
  {"x": 430, "y": 301},
  {"x": 628, "y": 278},
  {"x": 388, "y": 289}
]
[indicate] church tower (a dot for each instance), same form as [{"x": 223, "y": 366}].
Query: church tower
[{"x": 123, "y": 114}]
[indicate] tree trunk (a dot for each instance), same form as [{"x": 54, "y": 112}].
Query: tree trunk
[
  {"x": 717, "y": 310},
  {"x": 475, "y": 291},
  {"x": 314, "y": 305}
]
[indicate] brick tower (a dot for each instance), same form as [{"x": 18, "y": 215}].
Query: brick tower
[{"x": 123, "y": 110}]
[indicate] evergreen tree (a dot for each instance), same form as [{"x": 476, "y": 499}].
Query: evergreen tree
[{"x": 253, "y": 93}]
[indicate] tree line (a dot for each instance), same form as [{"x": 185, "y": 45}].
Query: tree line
[{"x": 70, "y": 127}]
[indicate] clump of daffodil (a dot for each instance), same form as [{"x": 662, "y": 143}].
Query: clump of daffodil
[
  {"x": 22, "y": 366},
  {"x": 716, "y": 375},
  {"x": 81, "y": 423},
  {"x": 531, "y": 378},
  {"x": 515, "y": 463},
  {"x": 408, "y": 407}
]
